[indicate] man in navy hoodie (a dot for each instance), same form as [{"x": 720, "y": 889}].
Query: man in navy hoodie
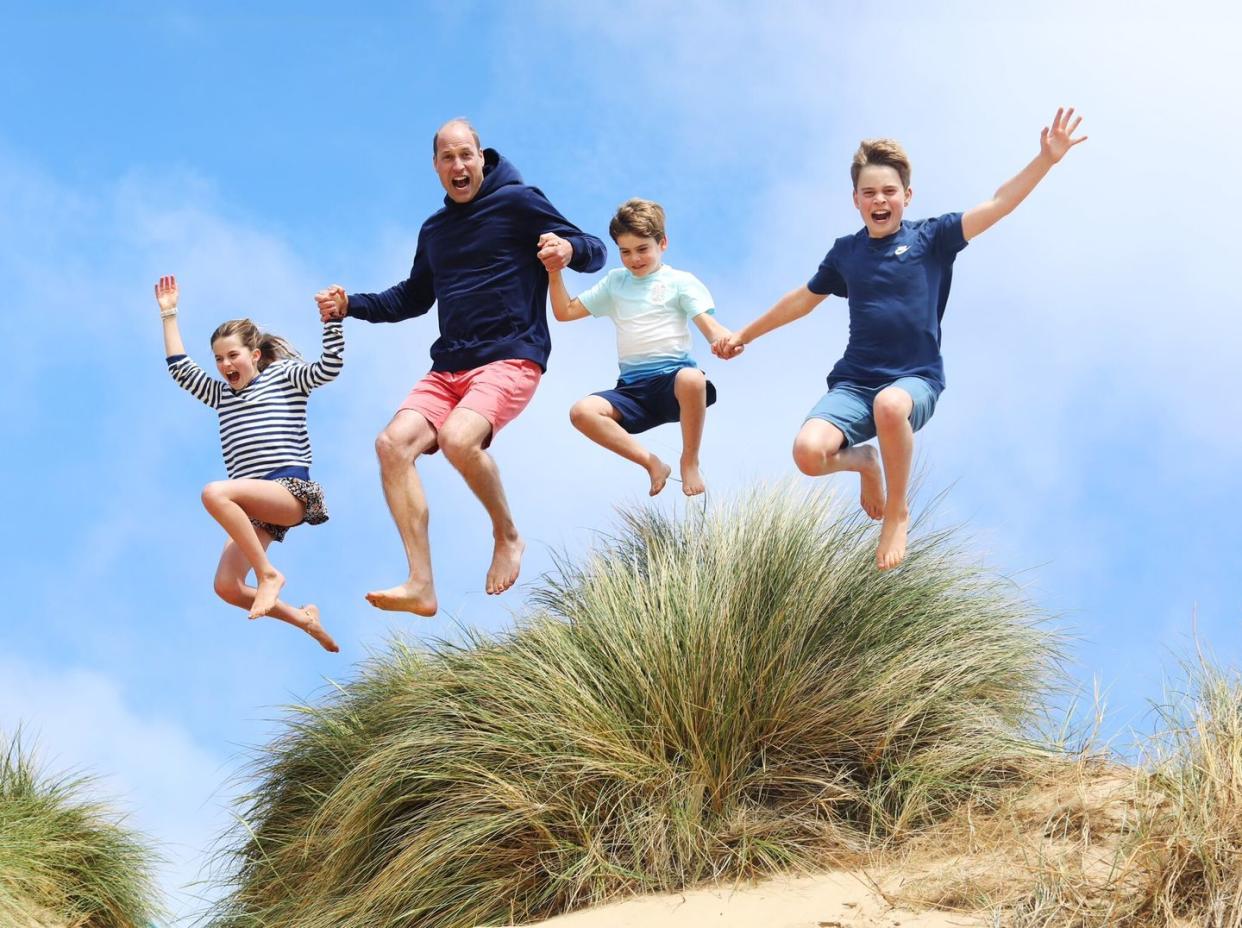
[{"x": 483, "y": 260}]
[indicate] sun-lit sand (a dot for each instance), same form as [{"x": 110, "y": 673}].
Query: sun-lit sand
[{"x": 829, "y": 900}]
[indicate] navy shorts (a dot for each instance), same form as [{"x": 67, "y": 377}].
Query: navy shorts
[
  {"x": 848, "y": 407},
  {"x": 644, "y": 404}
]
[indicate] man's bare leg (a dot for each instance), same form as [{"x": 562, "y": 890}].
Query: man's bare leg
[
  {"x": 461, "y": 440},
  {"x": 690, "y": 388},
  {"x": 892, "y": 408},
  {"x": 596, "y": 418},
  {"x": 407, "y": 436},
  {"x": 818, "y": 451},
  {"x": 231, "y": 586},
  {"x": 233, "y": 503}
]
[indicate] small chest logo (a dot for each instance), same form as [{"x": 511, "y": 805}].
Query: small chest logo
[
  {"x": 658, "y": 292},
  {"x": 901, "y": 249}
]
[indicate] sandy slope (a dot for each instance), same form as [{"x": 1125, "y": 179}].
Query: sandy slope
[{"x": 830, "y": 900}]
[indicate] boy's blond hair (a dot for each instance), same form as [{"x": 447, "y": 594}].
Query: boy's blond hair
[
  {"x": 644, "y": 218},
  {"x": 887, "y": 152}
]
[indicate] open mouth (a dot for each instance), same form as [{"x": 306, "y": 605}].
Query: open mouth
[
  {"x": 233, "y": 377},
  {"x": 883, "y": 215},
  {"x": 461, "y": 183}
]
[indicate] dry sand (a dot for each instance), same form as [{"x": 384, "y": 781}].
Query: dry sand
[{"x": 830, "y": 900}]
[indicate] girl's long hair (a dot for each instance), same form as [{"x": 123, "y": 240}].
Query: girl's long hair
[{"x": 271, "y": 347}]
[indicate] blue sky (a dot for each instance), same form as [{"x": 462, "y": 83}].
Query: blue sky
[{"x": 1088, "y": 438}]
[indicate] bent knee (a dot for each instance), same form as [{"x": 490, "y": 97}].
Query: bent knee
[
  {"x": 809, "y": 458},
  {"x": 690, "y": 384},
  {"x": 230, "y": 590},
  {"x": 892, "y": 404},
  {"x": 215, "y": 493},
  {"x": 459, "y": 448},
  {"x": 583, "y": 411}
]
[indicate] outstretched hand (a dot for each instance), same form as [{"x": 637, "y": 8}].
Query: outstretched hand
[
  {"x": 166, "y": 293},
  {"x": 1055, "y": 142},
  {"x": 728, "y": 346},
  {"x": 554, "y": 252},
  {"x": 333, "y": 303}
]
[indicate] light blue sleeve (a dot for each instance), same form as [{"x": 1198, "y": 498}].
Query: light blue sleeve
[
  {"x": 693, "y": 297},
  {"x": 598, "y": 299}
]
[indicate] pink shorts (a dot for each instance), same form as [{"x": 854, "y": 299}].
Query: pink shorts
[{"x": 496, "y": 391}]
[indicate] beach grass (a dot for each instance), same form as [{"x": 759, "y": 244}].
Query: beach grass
[
  {"x": 66, "y": 858},
  {"x": 728, "y": 694}
]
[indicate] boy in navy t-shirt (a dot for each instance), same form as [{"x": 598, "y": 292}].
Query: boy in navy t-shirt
[{"x": 896, "y": 275}]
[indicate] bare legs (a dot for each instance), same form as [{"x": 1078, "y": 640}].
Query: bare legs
[
  {"x": 690, "y": 388},
  {"x": 596, "y": 418},
  {"x": 233, "y": 503},
  {"x": 892, "y": 408},
  {"x": 231, "y": 586},
  {"x": 408, "y": 436},
  {"x": 461, "y": 439},
  {"x": 818, "y": 450}
]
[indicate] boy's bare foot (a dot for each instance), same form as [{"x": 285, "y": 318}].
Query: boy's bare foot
[
  {"x": 659, "y": 473},
  {"x": 691, "y": 480},
  {"x": 270, "y": 585},
  {"x": 871, "y": 476},
  {"x": 418, "y": 598},
  {"x": 892, "y": 548},
  {"x": 506, "y": 562},
  {"x": 315, "y": 630}
]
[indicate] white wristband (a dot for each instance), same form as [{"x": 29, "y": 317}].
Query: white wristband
[{"x": 167, "y": 313}]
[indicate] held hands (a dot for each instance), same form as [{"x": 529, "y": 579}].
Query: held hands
[
  {"x": 728, "y": 346},
  {"x": 1055, "y": 142},
  {"x": 166, "y": 296},
  {"x": 554, "y": 252},
  {"x": 333, "y": 303}
]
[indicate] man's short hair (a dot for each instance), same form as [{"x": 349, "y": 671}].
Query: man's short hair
[
  {"x": 458, "y": 120},
  {"x": 644, "y": 218},
  {"x": 885, "y": 152}
]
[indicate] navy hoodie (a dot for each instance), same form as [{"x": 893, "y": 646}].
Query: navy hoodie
[{"x": 477, "y": 262}]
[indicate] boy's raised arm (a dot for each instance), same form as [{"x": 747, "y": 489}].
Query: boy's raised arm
[
  {"x": 563, "y": 308},
  {"x": 1053, "y": 144},
  {"x": 793, "y": 305}
]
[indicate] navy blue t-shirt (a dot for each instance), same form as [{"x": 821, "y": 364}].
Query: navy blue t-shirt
[{"x": 897, "y": 287}]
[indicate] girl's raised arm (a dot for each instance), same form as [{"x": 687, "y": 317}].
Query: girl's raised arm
[
  {"x": 166, "y": 296},
  {"x": 183, "y": 370},
  {"x": 308, "y": 376}
]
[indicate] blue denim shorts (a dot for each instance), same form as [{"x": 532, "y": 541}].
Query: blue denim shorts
[
  {"x": 848, "y": 407},
  {"x": 644, "y": 404}
]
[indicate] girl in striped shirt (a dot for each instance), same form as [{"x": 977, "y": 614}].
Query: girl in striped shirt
[{"x": 262, "y": 408}]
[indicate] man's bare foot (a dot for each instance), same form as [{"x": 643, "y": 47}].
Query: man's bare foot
[
  {"x": 691, "y": 480},
  {"x": 892, "y": 548},
  {"x": 418, "y": 598},
  {"x": 659, "y": 473},
  {"x": 871, "y": 476},
  {"x": 315, "y": 630},
  {"x": 506, "y": 562},
  {"x": 270, "y": 585}
]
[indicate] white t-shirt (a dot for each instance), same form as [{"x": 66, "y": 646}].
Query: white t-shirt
[{"x": 652, "y": 315}]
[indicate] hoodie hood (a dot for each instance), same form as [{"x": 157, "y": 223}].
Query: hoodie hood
[{"x": 497, "y": 172}]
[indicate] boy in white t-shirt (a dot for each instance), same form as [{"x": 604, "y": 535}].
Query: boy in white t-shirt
[{"x": 651, "y": 304}]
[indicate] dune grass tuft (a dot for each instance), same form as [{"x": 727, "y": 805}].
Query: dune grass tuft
[
  {"x": 729, "y": 694},
  {"x": 65, "y": 858}
]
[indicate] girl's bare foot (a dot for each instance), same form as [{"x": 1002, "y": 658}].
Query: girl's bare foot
[
  {"x": 691, "y": 480},
  {"x": 315, "y": 630},
  {"x": 506, "y": 563},
  {"x": 659, "y": 473},
  {"x": 270, "y": 585},
  {"x": 418, "y": 598},
  {"x": 892, "y": 548},
  {"x": 871, "y": 476}
]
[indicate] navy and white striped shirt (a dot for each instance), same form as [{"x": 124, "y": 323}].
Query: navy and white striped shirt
[{"x": 263, "y": 425}]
